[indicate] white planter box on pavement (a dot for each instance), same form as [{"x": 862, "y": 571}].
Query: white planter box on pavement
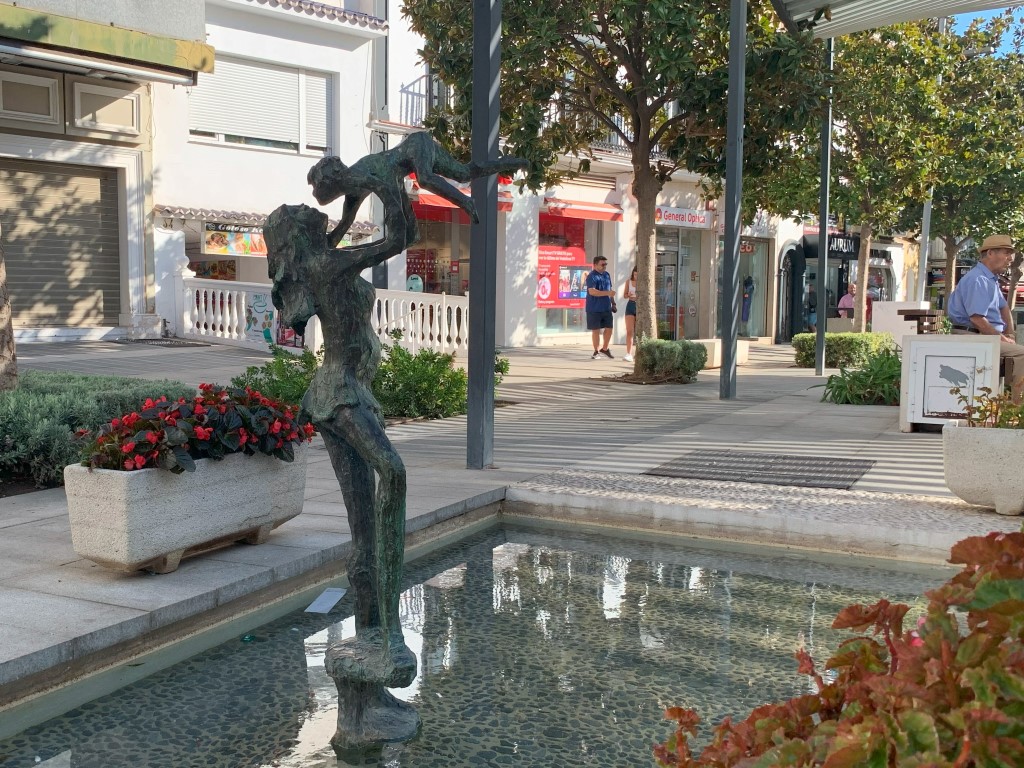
[
  {"x": 933, "y": 364},
  {"x": 151, "y": 518},
  {"x": 985, "y": 466}
]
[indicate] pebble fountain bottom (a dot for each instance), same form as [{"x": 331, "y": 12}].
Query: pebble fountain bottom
[{"x": 535, "y": 648}]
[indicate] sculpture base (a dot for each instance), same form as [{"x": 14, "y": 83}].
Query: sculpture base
[
  {"x": 363, "y": 668},
  {"x": 369, "y": 718}
]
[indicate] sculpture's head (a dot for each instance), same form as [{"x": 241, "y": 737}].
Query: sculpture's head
[
  {"x": 328, "y": 179},
  {"x": 294, "y": 235}
]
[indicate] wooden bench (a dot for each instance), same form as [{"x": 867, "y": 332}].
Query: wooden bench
[{"x": 928, "y": 320}]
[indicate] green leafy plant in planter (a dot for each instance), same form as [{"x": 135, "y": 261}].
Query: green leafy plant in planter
[
  {"x": 948, "y": 693},
  {"x": 285, "y": 377},
  {"x": 988, "y": 410},
  {"x": 211, "y": 425},
  {"x": 877, "y": 382}
]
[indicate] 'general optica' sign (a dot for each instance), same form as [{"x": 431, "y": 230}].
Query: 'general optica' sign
[{"x": 683, "y": 217}]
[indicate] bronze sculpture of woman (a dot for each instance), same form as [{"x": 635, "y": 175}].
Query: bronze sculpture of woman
[{"x": 313, "y": 277}]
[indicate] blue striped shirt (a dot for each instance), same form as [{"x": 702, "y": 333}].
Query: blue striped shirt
[{"x": 977, "y": 293}]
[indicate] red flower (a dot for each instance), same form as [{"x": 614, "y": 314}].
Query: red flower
[
  {"x": 309, "y": 429},
  {"x": 140, "y": 462},
  {"x": 128, "y": 447},
  {"x": 152, "y": 437},
  {"x": 203, "y": 433},
  {"x": 199, "y": 410},
  {"x": 206, "y": 387},
  {"x": 275, "y": 427},
  {"x": 129, "y": 464},
  {"x": 280, "y": 444},
  {"x": 243, "y": 436},
  {"x": 116, "y": 423},
  {"x": 149, "y": 403},
  {"x": 293, "y": 435}
]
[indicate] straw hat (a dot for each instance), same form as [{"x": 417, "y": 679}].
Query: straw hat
[{"x": 997, "y": 241}]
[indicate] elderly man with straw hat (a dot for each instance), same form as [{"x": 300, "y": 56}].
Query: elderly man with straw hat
[{"x": 978, "y": 306}]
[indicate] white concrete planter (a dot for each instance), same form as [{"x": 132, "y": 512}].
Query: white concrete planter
[
  {"x": 152, "y": 518},
  {"x": 985, "y": 466}
]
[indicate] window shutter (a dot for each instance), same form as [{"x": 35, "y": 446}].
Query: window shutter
[
  {"x": 319, "y": 91},
  {"x": 247, "y": 98}
]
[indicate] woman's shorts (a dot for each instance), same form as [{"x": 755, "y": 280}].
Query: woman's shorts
[{"x": 631, "y": 308}]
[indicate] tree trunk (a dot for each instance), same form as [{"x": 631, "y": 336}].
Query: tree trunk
[
  {"x": 949, "y": 241},
  {"x": 645, "y": 188},
  {"x": 863, "y": 265},
  {"x": 8, "y": 359}
]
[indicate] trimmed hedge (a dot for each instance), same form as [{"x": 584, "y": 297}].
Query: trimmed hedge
[
  {"x": 842, "y": 350},
  {"x": 658, "y": 360},
  {"x": 39, "y": 418}
]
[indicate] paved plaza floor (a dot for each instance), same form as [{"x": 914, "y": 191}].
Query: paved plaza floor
[{"x": 572, "y": 445}]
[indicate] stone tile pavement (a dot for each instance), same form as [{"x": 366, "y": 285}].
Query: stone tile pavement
[{"x": 574, "y": 434}]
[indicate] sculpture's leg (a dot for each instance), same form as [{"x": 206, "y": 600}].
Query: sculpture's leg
[
  {"x": 366, "y": 435},
  {"x": 376, "y": 658},
  {"x": 357, "y": 488}
]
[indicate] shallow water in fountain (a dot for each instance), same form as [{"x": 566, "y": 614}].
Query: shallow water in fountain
[{"x": 535, "y": 648}]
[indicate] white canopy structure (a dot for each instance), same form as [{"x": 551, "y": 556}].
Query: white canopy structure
[
  {"x": 847, "y": 16},
  {"x": 831, "y": 18}
]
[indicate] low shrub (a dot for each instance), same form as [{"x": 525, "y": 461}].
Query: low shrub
[
  {"x": 425, "y": 385},
  {"x": 842, "y": 350},
  {"x": 877, "y": 382},
  {"x": 174, "y": 434},
  {"x": 658, "y": 360},
  {"x": 38, "y": 420},
  {"x": 285, "y": 377},
  {"x": 947, "y": 693}
]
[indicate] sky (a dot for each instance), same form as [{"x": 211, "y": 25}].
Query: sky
[{"x": 964, "y": 19}]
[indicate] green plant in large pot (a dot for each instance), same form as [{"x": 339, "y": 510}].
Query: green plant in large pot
[
  {"x": 177, "y": 478},
  {"x": 983, "y": 454},
  {"x": 946, "y": 693}
]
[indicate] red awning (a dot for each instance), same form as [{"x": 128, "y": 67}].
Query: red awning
[
  {"x": 430, "y": 200},
  {"x": 576, "y": 209}
]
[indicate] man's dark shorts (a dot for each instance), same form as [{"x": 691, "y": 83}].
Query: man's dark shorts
[{"x": 598, "y": 320}]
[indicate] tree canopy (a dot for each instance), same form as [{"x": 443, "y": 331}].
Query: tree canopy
[{"x": 652, "y": 73}]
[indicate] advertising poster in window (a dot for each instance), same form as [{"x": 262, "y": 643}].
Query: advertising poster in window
[
  {"x": 222, "y": 269},
  {"x": 259, "y": 318},
  {"x": 561, "y": 277},
  {"x": 421, "y": 263},
  {"x": 233, "y": 239}
]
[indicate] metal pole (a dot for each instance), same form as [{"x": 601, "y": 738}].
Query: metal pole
[
  {"x": 730, "y": 308},
  {"x": 826, "y": 179},
  {"x": 926, "y": 218},
  {"x": 483, "y": 253}
]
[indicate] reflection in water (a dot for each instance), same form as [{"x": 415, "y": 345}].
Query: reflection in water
[{"x": 535, "y": 650}]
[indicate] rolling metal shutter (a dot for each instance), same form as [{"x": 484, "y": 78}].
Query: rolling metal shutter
[{"x": 62, "y": 244}]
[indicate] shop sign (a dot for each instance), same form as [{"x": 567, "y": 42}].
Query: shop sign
[
  {"x": 843, "y": 246},
  {"x": 683, "y": 217},
  {"x": 561, "y": 277},
  {"x": 233, "y": 239}
]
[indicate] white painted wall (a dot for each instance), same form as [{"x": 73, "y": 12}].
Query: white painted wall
[
  {"x": 404, "y": 65},
  {"x": 198, "y": 174}
]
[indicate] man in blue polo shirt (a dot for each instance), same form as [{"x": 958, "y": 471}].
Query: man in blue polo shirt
[
  {"x": 977, "y": 305},
  {"x": 599, "y": 306}
]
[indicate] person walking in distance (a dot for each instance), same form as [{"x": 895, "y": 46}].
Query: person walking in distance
[
  {"x": 629, "y": 294},
  {"x": 600, "y": 304}
]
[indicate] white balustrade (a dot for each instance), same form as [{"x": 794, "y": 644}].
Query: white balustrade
[{"x": 223, "y": 311}]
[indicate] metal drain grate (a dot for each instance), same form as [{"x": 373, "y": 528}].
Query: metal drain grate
[
  {"x": 163, "y": 342},
  {"x": 767, "y": 468}
]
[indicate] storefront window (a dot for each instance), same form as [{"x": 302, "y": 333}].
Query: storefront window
[
  {"x": 565, "y": 254},
  {"x": 754, "y": 287},
  {"x": 439, "y": 262}
]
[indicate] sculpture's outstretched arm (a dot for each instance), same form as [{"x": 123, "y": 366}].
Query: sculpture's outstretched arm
[
  {"x": 348, "y": 217},
  {"x": 400, "y": 231}
]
